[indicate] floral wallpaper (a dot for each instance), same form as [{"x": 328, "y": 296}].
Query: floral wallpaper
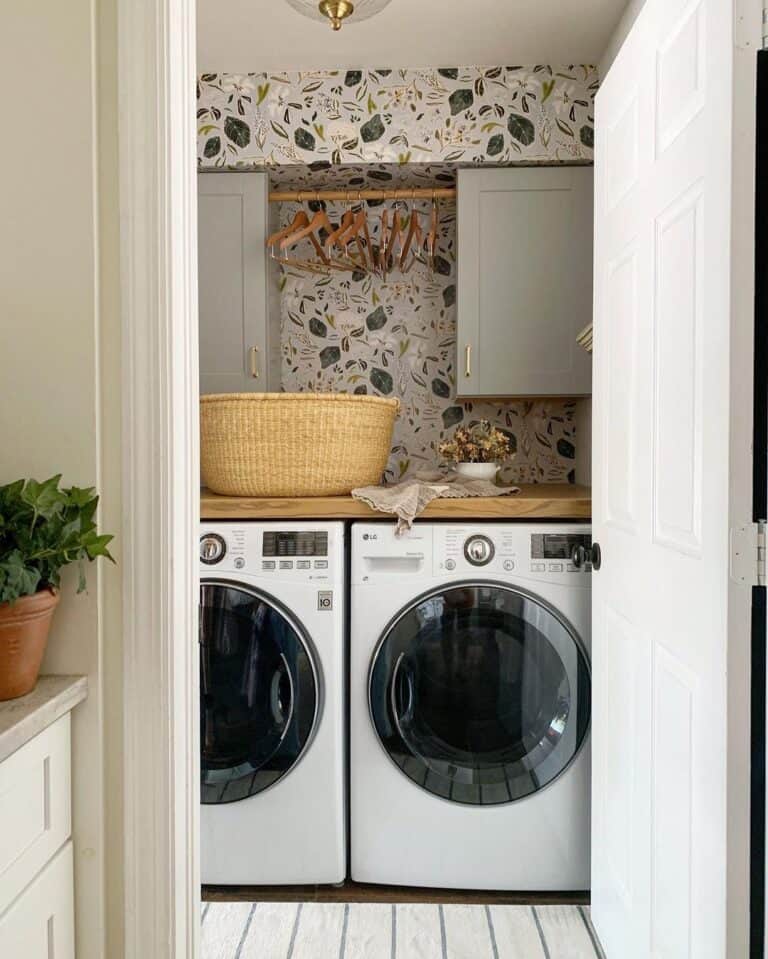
[
  {"x": 454, "y": 115},
  {"x": 397, "y": 337},
  {"x": 357, "y": 333}
]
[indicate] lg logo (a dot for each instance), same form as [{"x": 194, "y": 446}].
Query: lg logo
[
  {"x": 370, "y": 536},
  {"x": 325, "y": 600}
]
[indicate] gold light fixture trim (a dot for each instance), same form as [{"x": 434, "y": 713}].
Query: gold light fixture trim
[{"x": 337, "y": 11}]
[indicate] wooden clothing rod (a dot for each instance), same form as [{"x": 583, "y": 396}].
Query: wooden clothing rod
[{"x": 352, "y": 196}]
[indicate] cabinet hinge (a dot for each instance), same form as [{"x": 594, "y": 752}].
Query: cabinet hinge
[{"x": 748, "y": 554}]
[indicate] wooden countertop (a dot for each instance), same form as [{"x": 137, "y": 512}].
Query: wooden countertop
[{"x": 535, "y": 501}]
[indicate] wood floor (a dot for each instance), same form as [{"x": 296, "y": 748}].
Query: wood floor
[
  {"x": 314, "y": 930},
  {"x": 350, "y": 892}
]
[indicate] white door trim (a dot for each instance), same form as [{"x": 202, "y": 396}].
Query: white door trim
[{"x": 156, "y": 49}]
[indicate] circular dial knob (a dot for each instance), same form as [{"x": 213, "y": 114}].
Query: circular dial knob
[
  {"x": 479, "y": 550},
  {"x": 212, "y": 548}
]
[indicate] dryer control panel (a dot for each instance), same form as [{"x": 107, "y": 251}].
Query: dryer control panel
[
  {"x": 486, "y": 550},
  {"x": 505, "y": 549}
]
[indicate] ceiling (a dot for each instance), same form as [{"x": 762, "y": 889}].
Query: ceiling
[{"x": 242, "y": 36}]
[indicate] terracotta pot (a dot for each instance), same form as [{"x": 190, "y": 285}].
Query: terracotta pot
[{"x": 24, "y": 627}]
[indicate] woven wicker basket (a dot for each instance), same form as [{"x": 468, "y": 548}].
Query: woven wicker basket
[{"x": 294, "y": 444}]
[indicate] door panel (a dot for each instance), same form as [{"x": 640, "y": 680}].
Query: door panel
[
  {"x": 513, "y": 225},
  {"x": 677, "y": 365},
  {"x": 621, "y": 388},
  {"x": 661, "y": 504},
  {"x": 674, "y": 725},
  {"x": 232, "y": 229}
]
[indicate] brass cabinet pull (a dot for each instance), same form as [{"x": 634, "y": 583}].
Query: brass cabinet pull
[
  {"x": 468, "y": 360},
  {"x": 254, "y": 357}
]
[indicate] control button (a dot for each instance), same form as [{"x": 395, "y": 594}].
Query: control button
[
  {"x": 268, "y": 564},
  {"x": 321, "y": 564},
  {"x": 303, "y": 564},
  {"x": 537, "y": 567},
  {"x": 555, "y": 567},
  {"x": 479, "y": 550},
  {"x": 286, "y": 564},
  {"x": 212, "y": 548},
  {"x": 509, "y": 564},
  {"x": 450, "y": 564},
  {"x": 239, "y": 562}
]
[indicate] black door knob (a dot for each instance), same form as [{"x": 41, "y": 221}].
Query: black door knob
[{"x": 582, "y": 555}]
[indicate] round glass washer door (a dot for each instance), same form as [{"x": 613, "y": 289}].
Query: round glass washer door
[
  {"x": 480, "y": 693},
  {"x": 259, "y": 692}
]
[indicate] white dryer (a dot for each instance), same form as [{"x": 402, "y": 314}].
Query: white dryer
[
  {"x": 272, "y": 703},
  {"x": 470, "y": 706}
]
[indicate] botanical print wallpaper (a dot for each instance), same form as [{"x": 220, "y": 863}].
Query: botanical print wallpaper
[
  {"x": 358, "y": 333},
  {"x": 455, "y": 115}
]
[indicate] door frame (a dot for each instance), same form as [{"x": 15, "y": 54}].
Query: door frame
[
  {"x": 158, "y": 199},
  {"x": 158, "y": 214}
]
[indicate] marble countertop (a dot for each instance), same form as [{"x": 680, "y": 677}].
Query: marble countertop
[{"x": 23, "y": 718}]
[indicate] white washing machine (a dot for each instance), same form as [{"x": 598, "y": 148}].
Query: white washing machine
[
  {"x": 272, "y": 703},
  {"x": 470, "y": 706}
]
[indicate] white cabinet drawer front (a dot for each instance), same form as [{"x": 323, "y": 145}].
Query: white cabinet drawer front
[
  {"x": 35, "y": 817},
  {"x": 41, "y": 923}
]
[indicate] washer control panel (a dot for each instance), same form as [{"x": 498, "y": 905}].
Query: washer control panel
[{"x": 287, "y": 551}]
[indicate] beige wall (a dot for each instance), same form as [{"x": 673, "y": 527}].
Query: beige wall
[{"x": 59, "y": 362}]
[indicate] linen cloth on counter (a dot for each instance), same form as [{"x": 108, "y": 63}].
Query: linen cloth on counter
[{"x": 408, "y": 499}]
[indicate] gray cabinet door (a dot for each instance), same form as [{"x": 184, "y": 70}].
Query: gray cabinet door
[
  {"x": 232, "y": 230},
  {"x": 524, "y": 281}
]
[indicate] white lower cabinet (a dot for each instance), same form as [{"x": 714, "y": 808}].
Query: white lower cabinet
[
  {"x": 36, "y": 878},
  {"x": 35, "y": 816},
  {"x": 41, "y": 922}
]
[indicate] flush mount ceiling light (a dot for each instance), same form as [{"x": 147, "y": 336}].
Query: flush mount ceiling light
[{"x": 337, "y": 11}]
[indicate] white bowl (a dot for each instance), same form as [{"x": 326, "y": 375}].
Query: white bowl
[{"x": 484, "y": 471}]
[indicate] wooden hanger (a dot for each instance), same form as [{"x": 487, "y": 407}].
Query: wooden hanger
[
  {"x": 318, "y": 222},
  {"x": 309, "y": 266},
  {"x": 395, "y": 236},
  {"x": 431, "y": 245},
  {"x": 414, "y": 234},
  {"x": 381, "y": 254},
  {"x": 300, "y": 221},
  {"x": 359, "y": 224},
  {"x": 334, "y": 238},
  {"x": 367, "y": 237}
]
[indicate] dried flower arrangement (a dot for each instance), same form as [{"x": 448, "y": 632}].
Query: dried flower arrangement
[{"x": 479, "y": 443}]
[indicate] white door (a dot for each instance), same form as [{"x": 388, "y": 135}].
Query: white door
[{"x": 665, "y": 402}]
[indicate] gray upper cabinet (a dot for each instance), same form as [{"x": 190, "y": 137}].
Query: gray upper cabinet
[
  {"x": 524, "y": 281},
  {"x": 236, "y": 349}
]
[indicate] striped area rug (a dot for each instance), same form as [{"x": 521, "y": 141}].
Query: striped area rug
[{"x": 312, "y": 930}]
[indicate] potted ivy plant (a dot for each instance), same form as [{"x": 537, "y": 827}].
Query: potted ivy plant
[
  {"x": 477, "y": 450},
  {"x": 43, "y": 528}
]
